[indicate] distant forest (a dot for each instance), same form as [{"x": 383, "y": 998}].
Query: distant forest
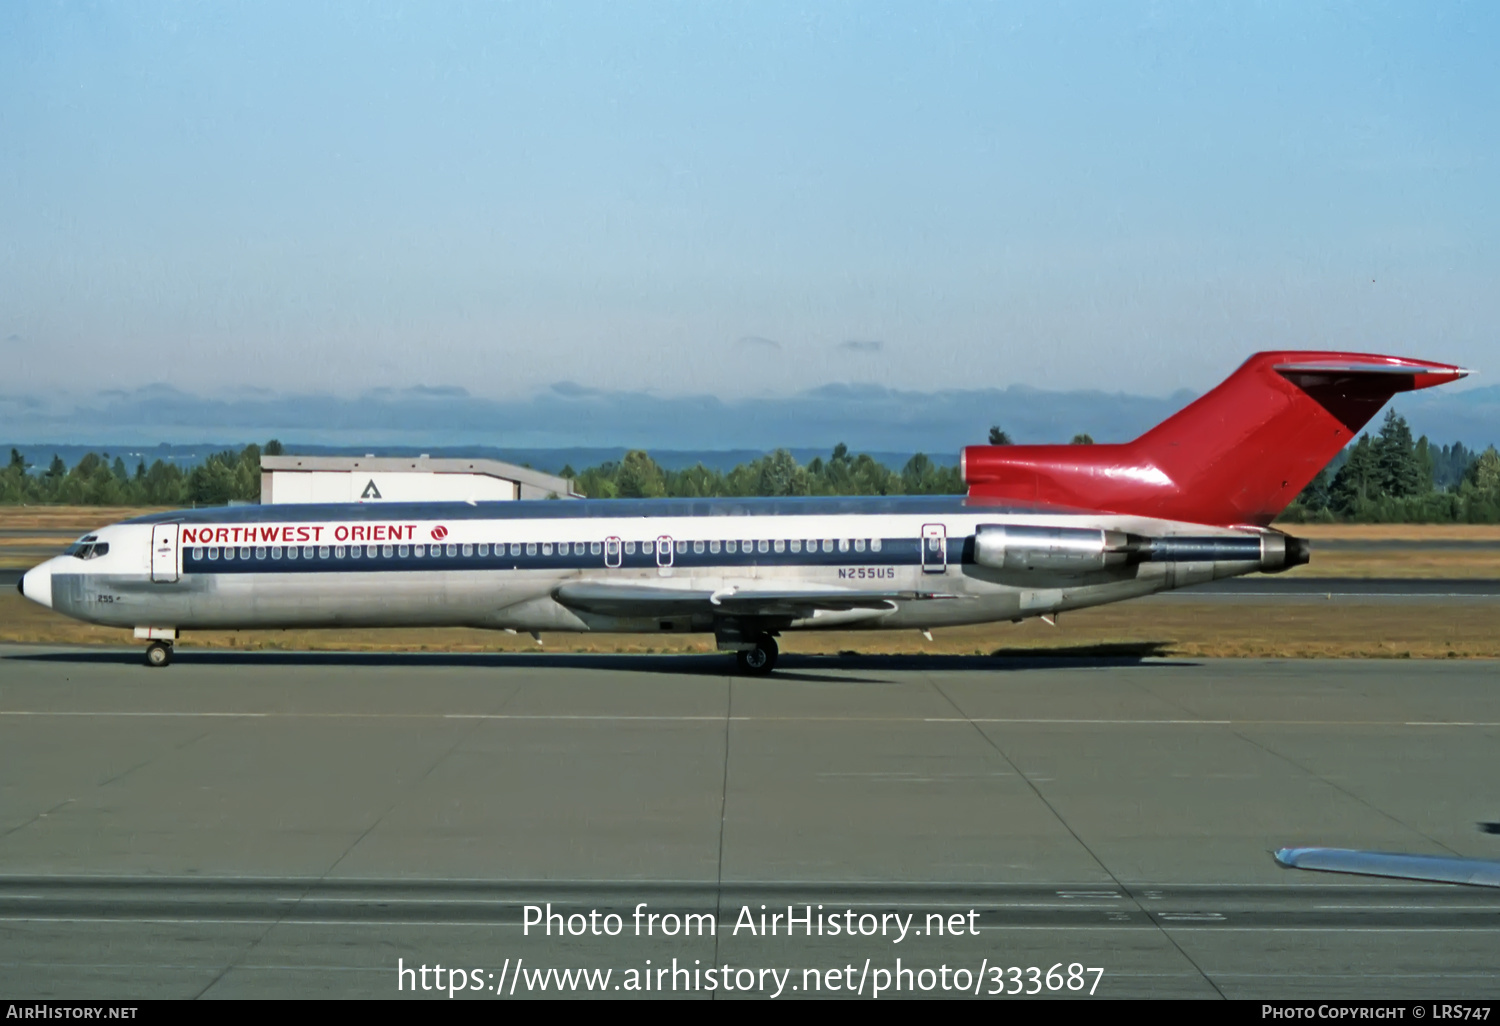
[{"x": 1386, "y": 477}]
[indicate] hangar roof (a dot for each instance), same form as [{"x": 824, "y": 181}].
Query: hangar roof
[{"x": 526, "y": 477}]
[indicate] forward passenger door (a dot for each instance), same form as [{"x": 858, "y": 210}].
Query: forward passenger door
[{"x": 164, "y": 552}]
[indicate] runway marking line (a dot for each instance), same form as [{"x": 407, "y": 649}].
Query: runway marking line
[{"x": 627, "y": 718}]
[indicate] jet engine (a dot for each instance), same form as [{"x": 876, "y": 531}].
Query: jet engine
[{"x": 1078, "y": 550}]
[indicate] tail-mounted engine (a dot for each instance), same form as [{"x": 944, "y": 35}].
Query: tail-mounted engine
[{"x": 1078, "y": 550}]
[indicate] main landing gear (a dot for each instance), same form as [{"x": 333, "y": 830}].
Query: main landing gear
[
  {"x": 159, "y": 653},
  {"x": 760, "y": 659}
]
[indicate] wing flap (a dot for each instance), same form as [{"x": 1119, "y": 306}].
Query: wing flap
[
  {"x": 611, "y": 599},
  {"x": 632, "y": 599}
]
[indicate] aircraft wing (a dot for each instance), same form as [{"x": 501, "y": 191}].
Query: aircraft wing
[
  {"x": 610, "y": 599},
  {"x": 1435, "y": 868}
]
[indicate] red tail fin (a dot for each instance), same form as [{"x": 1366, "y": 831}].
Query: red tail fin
[{"x": 1238, "y": 455}]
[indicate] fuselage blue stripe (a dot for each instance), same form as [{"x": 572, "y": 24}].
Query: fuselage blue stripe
[{"x": 893, "y": 552}]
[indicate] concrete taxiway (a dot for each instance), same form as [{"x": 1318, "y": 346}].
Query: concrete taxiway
[{"x": 277, "y": 824}]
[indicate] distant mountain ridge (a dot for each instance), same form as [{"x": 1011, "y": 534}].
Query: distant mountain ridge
[{"x": 571, "y": 424}]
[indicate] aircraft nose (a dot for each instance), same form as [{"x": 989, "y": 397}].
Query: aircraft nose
[{"x": 36, "y": 584}]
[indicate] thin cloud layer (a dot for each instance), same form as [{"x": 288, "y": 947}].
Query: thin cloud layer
[{"x": 566, "y": 415}]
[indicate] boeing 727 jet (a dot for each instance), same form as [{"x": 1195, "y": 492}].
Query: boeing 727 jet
[{"x": 1043, "y": 529}]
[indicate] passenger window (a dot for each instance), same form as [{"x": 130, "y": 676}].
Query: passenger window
[
  {"x": 630, "y": 548},
  {"x": 245, "y": 552},
  {"x": 779, "y": 545},
  {"x": 451, "y": 550},
  {"x": 713, "y": 546},
  {"x": 385, "y": 550},
  {"x": 795, "y": 544},
  {"x": 681, "y": 547},
  {"x": 468, "y": 550},
  {"x": 323, "y": 551},
  {"x": 419, "y": 551},
  {"x": 275, "y": 552},
  {"x": 213, "y": 552},
  {"x": 546, "y": 548},
  {"x": 698, "y": 547},
  {"x": 874, "y": 544},
  {"x": 762, "y": 546},
  {"x": 859, "y": 545},
  {"x": 291, "y": 552},
  {"x": 403, "y": 551},
  {"x": 228, "y": 552},
  {"x": 338, "y": 552},
  {"x": 308, "y": 552},
  {"x": 198, "y": 553},
  {"x": 843, "y": 544},
  {"x": 260, "y": 552},
  {"x": 731, "y": 545},
  {"x": 595, "y": 548},
  {"x": 827, "y": 544},
  {"x": 484, "y": 550},
  {"x": 530, "y": 548},
  {"x": 515, "y": 548}
]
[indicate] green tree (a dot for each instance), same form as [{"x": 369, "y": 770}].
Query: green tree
[
  {"x": 1484, "y": 472},
  {"x": 639, "y": 477},
  {"x": 1083, "y": 438},
  {"x": 1358, "y": 480},
  {"x": 1400, "y": 475},
  {"x": 780, "y": 475},
  {"x": 1426, "y": 465},
  {"x": 998, "y": 437}
]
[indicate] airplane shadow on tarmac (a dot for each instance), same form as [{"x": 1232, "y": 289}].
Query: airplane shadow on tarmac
[{"x": 791, "y": 667}]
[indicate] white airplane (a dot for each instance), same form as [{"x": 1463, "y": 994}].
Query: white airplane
[{"x": 1044, "y": 529}]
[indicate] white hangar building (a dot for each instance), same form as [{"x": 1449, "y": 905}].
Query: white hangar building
[{"x": 286, "y": 479}]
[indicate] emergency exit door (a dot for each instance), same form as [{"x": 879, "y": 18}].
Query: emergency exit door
[
  {"x": 164, "y": 552},
  {"x": 934, "y": 549}
]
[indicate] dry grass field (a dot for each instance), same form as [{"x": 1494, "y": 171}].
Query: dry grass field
[{"x": 1183, "y": 629}]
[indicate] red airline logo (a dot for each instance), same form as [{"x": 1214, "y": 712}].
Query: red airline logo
[
  {"x": 439, "y": 532},
  {"x": 281, "y": 534}
]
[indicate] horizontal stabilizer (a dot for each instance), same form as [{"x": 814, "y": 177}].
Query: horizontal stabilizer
[{"x": 1434, "y": 868}]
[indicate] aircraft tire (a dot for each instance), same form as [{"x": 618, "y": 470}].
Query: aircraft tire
[
  {"x": 158, "y": 654},
  {"x": 760, "y": 660}
]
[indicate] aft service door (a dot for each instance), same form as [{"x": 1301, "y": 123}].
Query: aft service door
[
  {"x": 164, "y": 552},
  {"x": 934, "y": 549}
]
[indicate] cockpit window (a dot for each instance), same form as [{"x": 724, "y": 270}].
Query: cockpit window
[{"x": 85, "y": 548}]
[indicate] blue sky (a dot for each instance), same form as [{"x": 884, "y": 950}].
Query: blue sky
[{"x": 738, "y": 199}]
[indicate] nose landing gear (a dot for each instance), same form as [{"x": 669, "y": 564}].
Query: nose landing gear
[{"x": 159, "y": 653}]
